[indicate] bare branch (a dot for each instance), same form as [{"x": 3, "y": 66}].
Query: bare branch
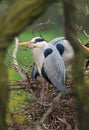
[
  {"x": 81, "y": 29},
  {"x": 45, "y": 126},
  {"x": 65, "y": 122},
  {"x": 38, "y": 27},
  {"x": 86, "y": 33},
  {"x": 86, "y": 7},
  {"x": 18, "y": 68}
]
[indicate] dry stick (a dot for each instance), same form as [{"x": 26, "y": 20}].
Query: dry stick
[
  {"x": 15, "y": 89},
  {"x": 86, "y": 33},
  {"x": 86, "y": 7},
  {"x": 65, "y": 122},
  {"x": 45, "y": 126},
  {"x": 21, "y": 83},
  {"x": 18, "y": 68},
  {"x": 38, "y": 127},
  {"x": 15, "y": 60}
]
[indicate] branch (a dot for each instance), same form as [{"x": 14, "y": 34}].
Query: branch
[
  {"x": 65, "y": 123},
  {"x": 86, "y": 33},
  {"x": 18, "y": 68},
  {"x": 38, "y": 27},
  {"x": 86, "y": 5}
]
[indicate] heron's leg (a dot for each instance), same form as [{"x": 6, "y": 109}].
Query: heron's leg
[
  {"x": 42, "y": 98},
  {"x": 43, "y": 90},
  {"x": 47, "y": 87}
]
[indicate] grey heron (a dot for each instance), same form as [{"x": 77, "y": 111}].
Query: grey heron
[
  {"x": 63, "y": 46},
  {"x": 49, "y": 63},
  {"x": 65, "y": 49}
]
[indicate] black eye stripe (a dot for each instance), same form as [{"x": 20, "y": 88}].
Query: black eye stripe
[{"x": 39, "y": 40}]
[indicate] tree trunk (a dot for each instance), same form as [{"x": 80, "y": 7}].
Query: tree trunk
[
  {"x": 20, "y": 15},
  {"x": 3, "y": 90},
  {"x": 81, "y": 95}
]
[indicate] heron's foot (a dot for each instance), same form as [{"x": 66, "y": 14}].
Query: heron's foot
[{"x": 64, "y": 98}]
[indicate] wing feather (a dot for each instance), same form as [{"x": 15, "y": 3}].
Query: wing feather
[{"x": 55, "y": 69}]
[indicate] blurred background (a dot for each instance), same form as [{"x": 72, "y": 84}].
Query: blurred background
[{"x": 50, "y": 25}]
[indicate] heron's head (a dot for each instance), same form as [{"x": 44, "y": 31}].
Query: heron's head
[{"x": 35, "y": 42}]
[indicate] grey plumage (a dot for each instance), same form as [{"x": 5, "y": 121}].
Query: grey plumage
[
  {"x": 49, "y": 63},
  {"x": 66, "y": 51},
  {"x": 52, "y": 64},
  {"x": 55, "y": 69}
]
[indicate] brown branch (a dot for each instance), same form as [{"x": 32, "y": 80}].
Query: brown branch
[
  {"x": 15, "y": 89},
  {"x": 65, "y": 123}
]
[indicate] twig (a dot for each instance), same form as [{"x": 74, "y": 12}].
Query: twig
[
  {"x": 38, "y": 127},
  {"x": 86, "y": 33},
  {"x": 40, "y": 26},
  {"x": 64, "y": 122},
  {"x": 45, "y": 126},
  {"x": 14, "y": 89},
  {"x": 86, "y": 5}
]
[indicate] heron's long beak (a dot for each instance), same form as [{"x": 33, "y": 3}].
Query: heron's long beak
[
  {"x": 29, "y": 43},
  {"x": 85, "y": 48}
]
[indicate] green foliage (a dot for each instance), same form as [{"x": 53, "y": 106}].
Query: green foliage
[
  {"x": 13, "y": 75},
  {"x": 16, "y": 106}
]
